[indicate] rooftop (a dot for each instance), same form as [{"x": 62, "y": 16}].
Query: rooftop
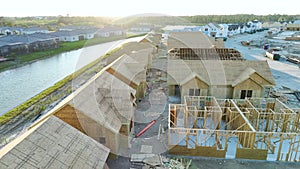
[
  {"x": 192, "y": 40},
  {"x": 53, "y": 144},
  {"x": 26, "y": 39},
  {"x": 227, "y": 73}
]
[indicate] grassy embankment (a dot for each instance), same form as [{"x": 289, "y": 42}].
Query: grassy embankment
[{"x": 19, "y": 109}]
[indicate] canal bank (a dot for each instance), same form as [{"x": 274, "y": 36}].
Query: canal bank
[
  {"x": 21, "y": 60},
  {"x": 20, "y": 84},
  {"x": 24, "y": 59}
]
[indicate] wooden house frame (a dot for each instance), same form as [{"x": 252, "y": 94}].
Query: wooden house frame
[
  {"x": 254, "y": 128},
  {"x": 103, "y": 107}
]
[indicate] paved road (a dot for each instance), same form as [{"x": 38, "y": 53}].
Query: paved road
[{"x": 285, "y": 73}]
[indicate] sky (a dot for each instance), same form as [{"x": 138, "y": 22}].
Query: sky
[{"x": 123, "y": 8}]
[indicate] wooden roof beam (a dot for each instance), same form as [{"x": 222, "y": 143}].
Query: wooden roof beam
[
  {"x": 243, "y": 116},
  {"x": 122, "y": 78}
]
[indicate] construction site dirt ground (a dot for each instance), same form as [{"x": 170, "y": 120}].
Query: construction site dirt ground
[{"x": 154, "y": 106}]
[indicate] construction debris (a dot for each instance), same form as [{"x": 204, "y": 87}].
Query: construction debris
[
  {"x": 179, "y": 164},
  {"x": 146, "y": 128},
  {"x": 160, "y": 162},
  {"x": 153, "y": 161},
  {"x": 140, "y": 157}
]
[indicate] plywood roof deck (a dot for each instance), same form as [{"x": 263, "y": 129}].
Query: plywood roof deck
[
  {"x": 54, "y": 144},
  {"x": 212, "y": 71},
  {"x": 192, "y": 40}
]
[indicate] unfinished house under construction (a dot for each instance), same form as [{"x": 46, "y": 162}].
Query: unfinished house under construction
[
  {"x": 104, "y": 106},
  {"x": 222, "y": 78},
  {"x": 251, "y": 128},
  {"x": 201, "y": 66},
  {"x": 192, "y": 40},
  {"x": 204, "y": 54},
  {"x": 53, "y": 144}
]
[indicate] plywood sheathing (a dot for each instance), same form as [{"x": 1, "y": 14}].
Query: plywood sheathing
[
  {"x": 129, "y": 48},
  {"x": 179, "y": 69},
  {"x": 55, "y": 144},
  {"x": 192, "y": 40}
]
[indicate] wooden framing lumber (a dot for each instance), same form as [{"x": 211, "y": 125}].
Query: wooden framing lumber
[{"x": 258, "y": 132}]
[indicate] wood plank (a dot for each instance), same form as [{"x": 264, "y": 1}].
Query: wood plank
[{"x": 122, "y": 78}]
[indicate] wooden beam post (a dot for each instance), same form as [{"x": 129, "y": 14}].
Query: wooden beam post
[{"x": 280, "y": 147}]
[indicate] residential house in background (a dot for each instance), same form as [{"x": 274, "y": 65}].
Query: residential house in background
[
  {"x": 21, "y": 30},
  {"x": 257, "y": 25},
  {"x": 87, "y": 33},
  {"x": 178, "y": 28},
  {"x": 109, "y": 31},
  {"x": 31, "y": 30},
  {"x": 234, "y": 29},
  {"x": 43, "y": 41},
  {"x": 216, "y": 30},
  {"x": 84, "y": 32},
  {"x": 253, "y": 26},
  {"x": 295, "y": 26},
  {"x": 10, "y": 30},
  {"x": 242, "y": 28},
  {"x": 22, "y": 44},
  {"x": 228, "y": 30},
  {"x": 11, "y": 48},
  {"x": 68, "y": 36},
  {"x": 141, "y": 28},
  {"x": 76, "y": 33},
  {"x": 72, "y": 28},
  {"x": 223, "y": 31},
  {"x": 181, "y": 28}
]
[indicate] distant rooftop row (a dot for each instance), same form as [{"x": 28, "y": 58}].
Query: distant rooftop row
[{"x": 19, "y": 41}]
